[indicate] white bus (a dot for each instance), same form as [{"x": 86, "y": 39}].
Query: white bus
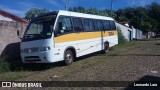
[{"x": 64, "y": 36}]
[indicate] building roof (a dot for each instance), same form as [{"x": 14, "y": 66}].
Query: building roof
[
  {"x": 12, "y": 17},
  {"x": 124, "y": 23},
  {"x": 6, "y": 18}
]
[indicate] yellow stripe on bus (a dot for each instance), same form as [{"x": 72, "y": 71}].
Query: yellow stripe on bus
[{"x": 82, "y": 36}]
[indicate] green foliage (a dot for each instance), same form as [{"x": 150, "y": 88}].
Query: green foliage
[
  {"x": 34, "y": 12},
  {"x": 121, "y": 38},
  {"x": 4, "y": 65},
  {"x": 145, "y": 18},
  {"x": 123, "y": 18},
  {"x": 93, "y": 11}
]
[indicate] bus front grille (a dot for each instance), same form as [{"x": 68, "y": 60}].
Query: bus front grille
[{"x": 32, "y": 58}]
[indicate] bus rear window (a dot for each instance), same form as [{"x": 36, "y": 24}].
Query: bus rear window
[
  {"x": 113, "y": 26},
  {"x": 106, "y": 25}
]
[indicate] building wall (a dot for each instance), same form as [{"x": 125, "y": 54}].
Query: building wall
[
  {"x": 137, "y": 34},
  {"x": 9, "y": 41},
  {"x": 125, "y": 31},
  {"x": 134, "y": 33},
  {"x": 150, "y": 34}
]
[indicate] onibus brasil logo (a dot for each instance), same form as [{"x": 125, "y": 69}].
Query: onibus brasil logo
[{"x": 21, "y": 84}]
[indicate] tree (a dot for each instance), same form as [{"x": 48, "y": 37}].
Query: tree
[
  {"x": 154, "y": 14},
  {"x": 123, "y": 19},
  {"x": 34, "y": 12},
  {"x": 93, "y": 11}
]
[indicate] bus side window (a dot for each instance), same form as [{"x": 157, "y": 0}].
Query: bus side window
[
  {"x": 98, "y": 25},
  {"x": 64, "y": 26},
  {"x": 77, "y": 23},
  {"x": 106, "y": 25},
  {"x": 113, "y": 26},
  {"x": 88, "y": 25},
  {"x": 91, "y": 25}
]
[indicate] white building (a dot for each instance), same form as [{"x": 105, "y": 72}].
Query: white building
[
  {"x": 126, "y": 31},
  {"x": 137, "y": 34}
]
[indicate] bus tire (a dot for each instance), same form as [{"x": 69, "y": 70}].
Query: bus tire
[
  {"x": 68, "y": 57},
  {"x": 106, "y": 48}
]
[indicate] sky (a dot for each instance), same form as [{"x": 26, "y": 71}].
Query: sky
[{"x": 20, "y": 7}]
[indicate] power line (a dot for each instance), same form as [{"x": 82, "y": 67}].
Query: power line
[
  {"x": 66, "y": 6},
  {"x": 111, "y": 8}
]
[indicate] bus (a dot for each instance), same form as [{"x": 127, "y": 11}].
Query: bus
[{"x": 65, "y": 35}]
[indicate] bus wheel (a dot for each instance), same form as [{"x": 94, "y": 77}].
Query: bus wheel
[
  {"x": 106, "y": 48},
  {"x": 68, "y": 57}
]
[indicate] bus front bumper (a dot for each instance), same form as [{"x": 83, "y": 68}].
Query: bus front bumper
[{"x": 38, "y": 57}]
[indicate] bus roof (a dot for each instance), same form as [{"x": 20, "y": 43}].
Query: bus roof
[
  {"x": 83, "y": 15},
  {"x": 75, "y": 14}
]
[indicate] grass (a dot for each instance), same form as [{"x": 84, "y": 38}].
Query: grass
[
  {"x": 4, "y": 65},
  {"x": 11, "y": 72},
  {"x": 100, "y": 58},
  {"x": 10, "y": 76},
  {"x": 123, "y": 47}
]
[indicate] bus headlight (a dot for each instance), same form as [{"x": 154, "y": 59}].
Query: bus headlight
[{"x": 45, "y": 48}]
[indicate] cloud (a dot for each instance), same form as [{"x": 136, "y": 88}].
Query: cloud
[
  {"x": 20, "y": 13},
  {"x": 139, "y": 2},
  {"x": 54, "y": 2},
  {"x": 60, "y": 4},
  {"x": 72, "y": 3},
  {"x": 27, "y": 4},
  {"x": 17, "y": 12}
]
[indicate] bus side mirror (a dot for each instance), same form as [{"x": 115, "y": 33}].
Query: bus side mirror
[{"x": 18, "y": 34}]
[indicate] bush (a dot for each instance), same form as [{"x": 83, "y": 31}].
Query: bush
[
  {"x": 4, "y": 65},
  {"x": 121, "y": 38}
]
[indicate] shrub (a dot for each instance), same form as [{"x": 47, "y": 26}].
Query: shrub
[
  {"x": 4, "y": 65},
  {"x": 121, "y": 38}
]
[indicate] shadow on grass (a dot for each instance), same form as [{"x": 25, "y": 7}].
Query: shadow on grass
[
  {"x": 16, "y": 64},
  {"x": 150, "y": 39},
  {"x": 89, "y": 55},
  {"x": 134, "y": 55},
  {"x": 146, "y": 79},
  {"x": 158, "y": 43}
]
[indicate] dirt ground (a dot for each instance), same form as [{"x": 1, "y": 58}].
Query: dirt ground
[{"x": 139, "y": 62}]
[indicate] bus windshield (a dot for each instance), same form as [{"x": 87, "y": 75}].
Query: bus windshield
[{"x": 40, "y": 28}]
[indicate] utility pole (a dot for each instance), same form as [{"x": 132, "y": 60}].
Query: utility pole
[
  {"x": 66, "y": 2},
  {"x": 111, "y": 8}
]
